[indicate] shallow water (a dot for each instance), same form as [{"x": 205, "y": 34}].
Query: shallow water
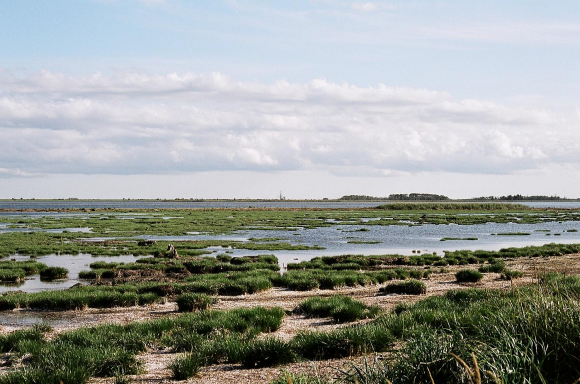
[
  {"x": 337, "y": 240},
  {"x": 3, "y": 229},
  {"x": 396, "y": 239},
  {"x": 74, "y": 263}
]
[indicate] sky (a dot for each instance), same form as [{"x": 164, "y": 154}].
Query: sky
[{"x": 308, "y": 98}]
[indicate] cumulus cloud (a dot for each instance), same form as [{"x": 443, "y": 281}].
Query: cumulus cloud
[{"x": 132, "y": 123}]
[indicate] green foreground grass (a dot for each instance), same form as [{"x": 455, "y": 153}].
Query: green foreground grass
[{"x": 522, "y": 335}]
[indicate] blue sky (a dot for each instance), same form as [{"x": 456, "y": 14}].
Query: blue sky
[{"x": 317, "y": 98}]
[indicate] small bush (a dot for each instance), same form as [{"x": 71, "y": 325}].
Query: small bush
[
  {"x": 410, "y": 287},
  {"x": 468, "y": 276}
]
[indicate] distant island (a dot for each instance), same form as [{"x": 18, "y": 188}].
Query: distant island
[
  {"x": 398, "y": 197},
  {"x": 521, "y": 198},
  {"x": 434, "y": 197},
  {"x": 420, "y": 197}
]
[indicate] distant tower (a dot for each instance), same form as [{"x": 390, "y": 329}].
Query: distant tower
[{"x": 281, "y": 197}]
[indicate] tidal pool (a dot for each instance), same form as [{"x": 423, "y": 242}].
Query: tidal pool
[
  {"x": 338, "y": 239},
  {"x": 74, "y": 263}
]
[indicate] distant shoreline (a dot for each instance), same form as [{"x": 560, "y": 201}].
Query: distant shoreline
[{"x": 562, "y": 200}]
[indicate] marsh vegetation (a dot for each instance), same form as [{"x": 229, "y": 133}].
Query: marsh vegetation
[{"x": 415, "y": 338}]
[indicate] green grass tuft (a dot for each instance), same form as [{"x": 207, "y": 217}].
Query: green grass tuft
[
  {"x": 410, "y": 287},
  {"x": 340, "y": 308},
  {"x": 189, "y": 302},
  {"x": 468, "y": 276}
]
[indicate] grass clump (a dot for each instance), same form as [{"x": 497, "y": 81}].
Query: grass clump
[
  {"x": 410, "y": 287},
  {"x": 343, "y": 342},
  {"x": 304, "y": 280},
  {"x": 496, "y": 266},
  {"x": 15, "y": 271},
  {"x": 189, "y": 302},
  {"x": 52, "y": 273},
  {"x": 468, "y": 276},
  {"x": 14, "y": 275},
  {"x": 340, "y": 308},
  {"x": 184, "y": 367},
  {"x": 511, "y": 274},
  {"x": 267, "y": 352}
]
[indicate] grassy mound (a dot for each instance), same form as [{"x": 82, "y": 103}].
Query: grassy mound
[
  {"x": 468, "y": 276},
  {"x": 410, "y": 287},
  {"x": 340, "y": 308}
]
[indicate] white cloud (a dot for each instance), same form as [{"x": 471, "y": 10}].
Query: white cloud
[
  {"x": 370, "y": 6},
  {"x": 130, "y": 123},
  {"x": 364, "y": 6},
  {"x": 10, "y": 172}
]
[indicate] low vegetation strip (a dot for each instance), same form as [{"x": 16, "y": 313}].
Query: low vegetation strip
[
  {"x": 461, "y": 257},
  {"x": 454, "y": 207},
  {"x": 458, "y": 238},
  {"x": 76, "y": 298},
  {"x": 340, "y": 308}
]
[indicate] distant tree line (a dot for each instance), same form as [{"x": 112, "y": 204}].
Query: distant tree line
[
  {"x": 399, "y": 197},
  {"x": 418, "y": 197},
  {"x": 518, "y": 198}
]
